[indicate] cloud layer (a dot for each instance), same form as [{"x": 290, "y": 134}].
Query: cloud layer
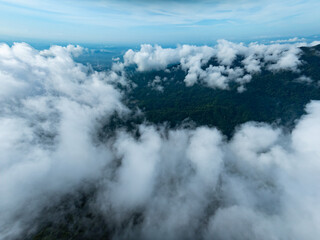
[
  {"x": 188, "y": 183},
  {"x": 232, "y": 62},
  {"x": 194, "y": 184},
  {"x": 50, "y": 107}
]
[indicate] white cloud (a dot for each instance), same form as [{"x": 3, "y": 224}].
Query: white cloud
[
  {"x": 193, "y": 60},
  {"x": 290, "y": 40},
  {"x": 261, "y": 184},
  {"x": 304, "y": 79},
  {"x": 156, "y": 83},
  {"x": 50, "y": 107},
  {"x": 186, "y": 183},
  {"x": 314, "y": 43}
]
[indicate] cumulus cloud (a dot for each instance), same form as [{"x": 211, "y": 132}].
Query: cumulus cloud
[
  {"x": 259, "y": 185},
  {"x": 185, "y": 183},
  {"x": 194, "y": 61},
  {"x": 50, "y": 106},
  {"x": 156, "y": 83},
  {"x": 304, "y": 79}
]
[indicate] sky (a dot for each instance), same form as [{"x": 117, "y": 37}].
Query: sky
[{"x": 162, "y": 22}]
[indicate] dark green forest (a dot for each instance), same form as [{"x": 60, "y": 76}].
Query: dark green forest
[{"x": 272, "y": 97}]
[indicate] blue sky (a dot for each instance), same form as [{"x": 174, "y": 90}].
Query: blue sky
[{"x": 163, "y": 22}]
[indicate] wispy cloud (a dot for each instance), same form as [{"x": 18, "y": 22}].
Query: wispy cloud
[{"x": 107, "y": 15}]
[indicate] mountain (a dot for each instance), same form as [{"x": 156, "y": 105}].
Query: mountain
[{"x": 278, "y": 98}]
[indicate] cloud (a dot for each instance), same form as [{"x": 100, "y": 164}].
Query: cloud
[
  {"x": 135, "y": 22},
  {"x": 151, "y": 182},
  {"x": 304, "y": 79},
  {"x": 157, "y": 82},
  {"x": 260, "y": 184},
  {"x": 50, "y": 107},
  {"x": 194, "y": 61},
  {"x": 290, "y": 40}
]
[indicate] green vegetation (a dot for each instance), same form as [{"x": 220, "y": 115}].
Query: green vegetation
[{"x": 272, "y": 97}]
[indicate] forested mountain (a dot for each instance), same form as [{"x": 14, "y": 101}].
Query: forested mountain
[
  {"x": 273, "y": 97},
  {"x": 276, "y": 97}
]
